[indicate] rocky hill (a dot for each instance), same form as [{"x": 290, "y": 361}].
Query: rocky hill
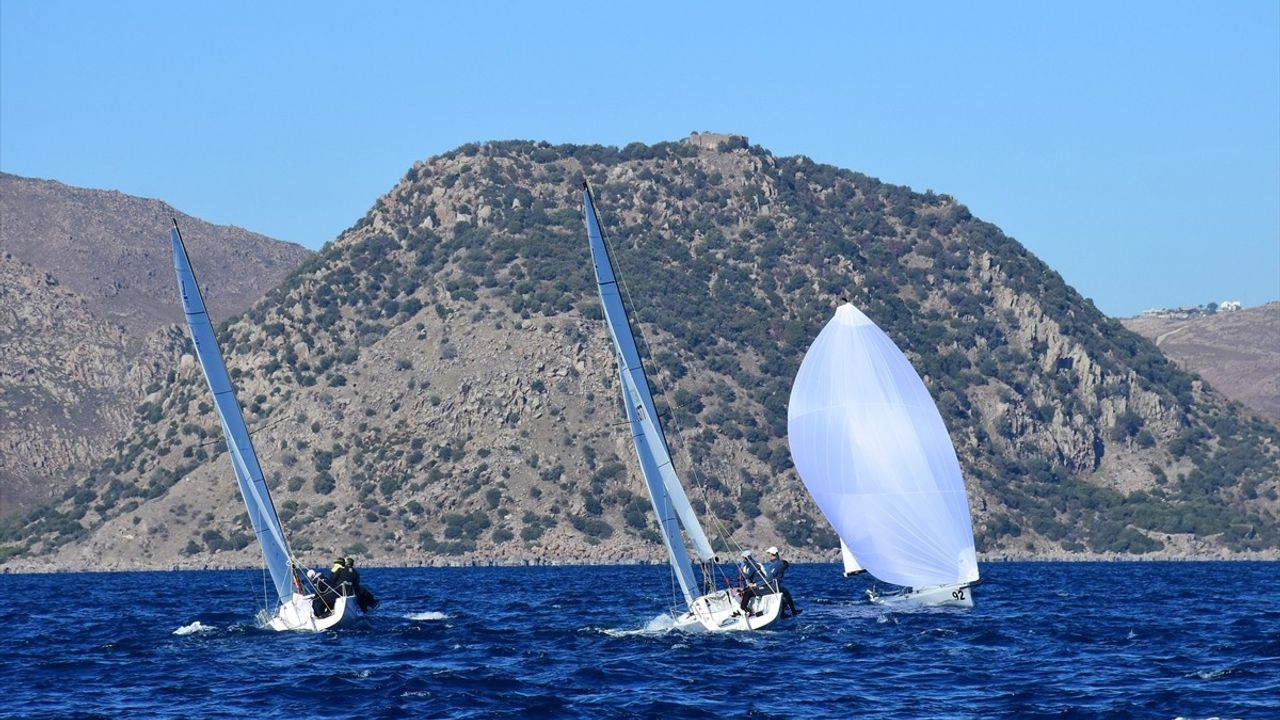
[
  {"x": 436, "y": 384},
  {"x": 1237, "y": 352},
  {"x": 85, "y": 322},
  {"x": 109, "y": 248}
]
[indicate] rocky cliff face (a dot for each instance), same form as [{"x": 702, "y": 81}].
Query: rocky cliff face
[
  {"x": 436, "y": 385},
  {"x": 85, "y": 323},
  {"x": 69, "y": 384},
  {"x": 110, "y": 249}
]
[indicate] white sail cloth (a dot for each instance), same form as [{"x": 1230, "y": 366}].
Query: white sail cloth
[
  {"x": 851, "y": 564},
  {"x": 670, "y": 503},
  {"x": 874, "y": 453},
  {"x": 244, "y": 461}
]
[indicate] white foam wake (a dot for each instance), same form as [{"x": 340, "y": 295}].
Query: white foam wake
[
  {"x": 428, "y": 615},
  {"x": 195, "y": 627},
  {"x": 661, "y": 624}
]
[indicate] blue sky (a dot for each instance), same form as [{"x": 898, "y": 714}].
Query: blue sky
[{"x": 1133, "y": 146}]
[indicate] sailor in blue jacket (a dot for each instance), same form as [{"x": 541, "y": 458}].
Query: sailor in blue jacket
[{"x": 773, "y": 570}]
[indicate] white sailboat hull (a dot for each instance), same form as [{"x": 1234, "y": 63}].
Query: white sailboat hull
[
  {"x": 718, "y": 612},
  {"x": 297, "y": 615},
  {"x": 956, "y": 595}
]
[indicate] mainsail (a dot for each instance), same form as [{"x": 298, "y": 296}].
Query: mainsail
[
  {"x": 670, "y": 502},
  {"x": 871, "y": 448},
  {"x": 253, "y": 488}
]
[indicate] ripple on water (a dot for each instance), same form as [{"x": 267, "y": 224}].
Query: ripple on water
[{"x": 1045, "y": 639}]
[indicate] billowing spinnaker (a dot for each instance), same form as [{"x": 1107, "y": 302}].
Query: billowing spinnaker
[{"x": 874, "y": 453}]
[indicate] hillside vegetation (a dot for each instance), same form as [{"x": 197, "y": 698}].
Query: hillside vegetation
[{"x": 436, "y": 384}]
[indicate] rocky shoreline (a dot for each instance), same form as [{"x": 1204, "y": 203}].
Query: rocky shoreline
[{"x": 19, "y": 568}]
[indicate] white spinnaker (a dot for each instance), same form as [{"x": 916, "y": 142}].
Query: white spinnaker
[{"x": 873, "y": 452}]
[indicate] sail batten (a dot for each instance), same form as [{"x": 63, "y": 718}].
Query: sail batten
[
  {"x": 871, "y": 447},
  {"x": 244, "y": 460}
]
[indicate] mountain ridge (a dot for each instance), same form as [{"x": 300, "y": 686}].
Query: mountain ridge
[
  {"x": 87, "y": 326},
  {"x": 1237, "y": 351},
  {"x": 436, "y": 385}
]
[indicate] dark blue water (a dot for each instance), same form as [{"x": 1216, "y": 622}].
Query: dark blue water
[{"x": 1158, "y": 640}]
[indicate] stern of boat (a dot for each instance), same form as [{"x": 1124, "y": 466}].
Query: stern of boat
[
  {"x": 718, "y": 612},
  {"x": 957, "y": 595},
  {"x": 297, "y": 615}
]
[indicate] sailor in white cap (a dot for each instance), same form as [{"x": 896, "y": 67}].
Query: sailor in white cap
[{"x": 774, "y": 568}]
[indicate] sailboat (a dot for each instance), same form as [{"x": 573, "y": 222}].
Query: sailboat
[
  {"x": 704, "y": 605},
  {"x": 294, "y": 604},
  {"x": 871, "y": 447}
]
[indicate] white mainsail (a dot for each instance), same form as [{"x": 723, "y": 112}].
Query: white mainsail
[
  {"x": 871, "y": 448},
  {"x": 663, "y": 508},
  {"x": 670, "y": 503},
  {"x": 244, "y": 461},
  {"x": 715, "y": 610}
]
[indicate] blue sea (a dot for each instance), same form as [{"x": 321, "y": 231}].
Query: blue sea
[{"x": 1045, "y": 640}]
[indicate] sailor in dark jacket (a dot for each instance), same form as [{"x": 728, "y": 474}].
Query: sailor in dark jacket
[
  {"x": 364, "y": 598},
  {"x": 752, "y": 579},
  {"x": 341, "y": 577},
  {"x": 774, "y": 568},
  {"x": 325, "y": 597}
]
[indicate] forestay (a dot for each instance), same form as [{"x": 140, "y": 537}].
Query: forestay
[
  {"x": 257, "y": 499},
  {"x": 874, "y": 453},
  {"x": 667, "y": 493}
]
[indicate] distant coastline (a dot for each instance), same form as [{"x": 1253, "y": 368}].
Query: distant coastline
[{"x": 42, "y": 569}]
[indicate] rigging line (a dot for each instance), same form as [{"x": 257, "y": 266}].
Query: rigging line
[
  {"x": 721, "y": 530},
  {"x": 709, "y": 571},
  {"x": 671, "y": 571},
  {"x": 621, "y": 282},
  {"x": 266, "y": 597}
]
